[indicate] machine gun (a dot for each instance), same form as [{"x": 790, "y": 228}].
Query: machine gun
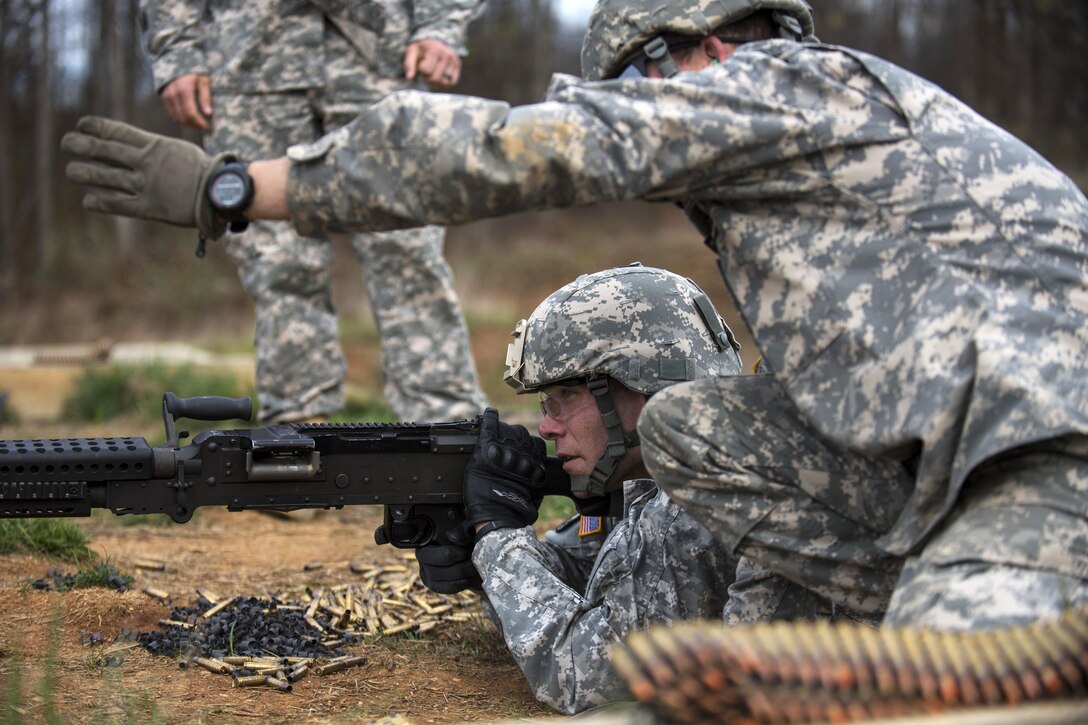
[{"x": 415, "y": 470}]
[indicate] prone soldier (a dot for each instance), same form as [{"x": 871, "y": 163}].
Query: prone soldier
[{"x": 594, "y": 351}]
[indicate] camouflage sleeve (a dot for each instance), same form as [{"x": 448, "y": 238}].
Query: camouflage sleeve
[
  {"x": 172, "y": 34},
  {"x": 656, "y": 564},
  {"x": 444, "y": 20},
  {"x": 438, "y": 159},
  {"x": 559, "y": 639},
  {"x": 421, "y": 158}
]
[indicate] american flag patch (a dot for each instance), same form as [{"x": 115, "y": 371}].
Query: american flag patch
[{"x": 590, "y": 525}]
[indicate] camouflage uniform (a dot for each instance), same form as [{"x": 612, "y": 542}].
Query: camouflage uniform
[
  {"x": 284, "y": 73},
  {"x": 914, "y": 275},
  {"x": 560, "y": 620}
]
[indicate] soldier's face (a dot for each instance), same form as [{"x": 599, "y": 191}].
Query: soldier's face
[{"x": 576, "y": 426}]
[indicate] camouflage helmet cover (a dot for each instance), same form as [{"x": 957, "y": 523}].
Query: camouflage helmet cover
[
  {"x": 645, "y": 327},
  {"x": 617, "y": 28}
]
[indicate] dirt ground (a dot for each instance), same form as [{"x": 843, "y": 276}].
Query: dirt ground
[{"x": 458, "y": 672}]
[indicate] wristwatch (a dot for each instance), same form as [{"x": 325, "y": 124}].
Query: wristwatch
[{"x": 230, "y": 191}]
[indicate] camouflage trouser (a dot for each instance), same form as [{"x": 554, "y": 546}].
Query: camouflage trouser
[
  {"x": 738, "y": 456},
  {"x": 735, "y": 453},
  {"x": 427, "y": 368},
  {"x": 1014, "y": 550}
]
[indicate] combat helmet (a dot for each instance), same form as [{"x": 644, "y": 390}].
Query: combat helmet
[
  {"x": 646, "y": 328},
  {"x": 617, "y": 28}
]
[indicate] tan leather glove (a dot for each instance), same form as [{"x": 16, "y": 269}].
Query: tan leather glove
[{"x": 134, "y": 173}]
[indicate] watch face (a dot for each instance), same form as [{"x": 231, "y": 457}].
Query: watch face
[{"x": 228, "y": 190}]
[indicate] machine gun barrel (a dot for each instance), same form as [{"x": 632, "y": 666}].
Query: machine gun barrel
[{"x": 415, "y": 470}]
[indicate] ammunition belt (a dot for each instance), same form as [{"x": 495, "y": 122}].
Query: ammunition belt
[{"x": 799, "y": 672}]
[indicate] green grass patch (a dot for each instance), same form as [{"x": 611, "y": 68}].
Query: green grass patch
[
  {"x": 53, "y": 538},
  {"x": 103, "y": 575},
  {"x": 557, "y": 507},
  {"x": 113, "y": 391},
  {"x": 364, "y": 409}
]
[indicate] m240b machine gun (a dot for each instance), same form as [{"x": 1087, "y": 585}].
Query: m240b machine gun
[{"x": 414, "y": 470}]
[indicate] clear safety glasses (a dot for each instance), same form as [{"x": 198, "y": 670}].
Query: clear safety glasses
[{"x": 563, "y": 402}]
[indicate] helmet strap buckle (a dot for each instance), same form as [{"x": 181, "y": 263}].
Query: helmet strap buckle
[{"x": 657, "y": 50}]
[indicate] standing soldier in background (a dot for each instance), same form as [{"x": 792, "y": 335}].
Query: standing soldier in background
[
  {"x": 915, "y": 276},
  {"x": 257, "y": 76}
]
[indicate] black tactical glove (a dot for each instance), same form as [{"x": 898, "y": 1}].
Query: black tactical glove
[
  {"x": 505, "y": 477},
  {"x": 448, "y": 568},
  {"x": 139, "y": 174}
]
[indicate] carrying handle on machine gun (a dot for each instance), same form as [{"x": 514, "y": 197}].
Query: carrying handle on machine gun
[{"x": 201, "y": 407}]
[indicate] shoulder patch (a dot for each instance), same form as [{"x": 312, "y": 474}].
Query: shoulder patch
[{"x": 590, "y": 525}]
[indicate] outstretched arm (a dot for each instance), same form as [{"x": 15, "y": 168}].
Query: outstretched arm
[
  {"x": 269, "y": 189},
  {"x": 422, "y": 158}
]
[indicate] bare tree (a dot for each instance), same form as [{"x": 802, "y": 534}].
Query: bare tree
[
  {"x": 17, "y": 19},
  {"x": 44, "y": 142},
  {"x": 115, "y": 45},
  {"x": 512, "y": 51},
  {"x": 7, "y": 196}
]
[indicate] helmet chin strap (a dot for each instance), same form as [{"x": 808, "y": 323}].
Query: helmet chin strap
[
  {"x": 657, "y": 50},
  {"x": 616, "y": 446}
]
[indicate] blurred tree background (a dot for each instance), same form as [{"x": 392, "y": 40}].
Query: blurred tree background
[{"x": 66, "y": 275}]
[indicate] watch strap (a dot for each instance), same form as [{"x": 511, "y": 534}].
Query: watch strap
[{"x": 237, "y": 221}]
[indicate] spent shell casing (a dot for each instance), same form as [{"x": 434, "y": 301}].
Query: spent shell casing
[
  {"x": 421, "y": 603},
  {"x": 459, "y": 617},
  {"x": 234, "y": 660},
  {"x": 394, "y": 569},
  {"x": 149, "y": 564},
  {"x": 249, "y": 681},
  {"x": 278, "y": 683},
  {"x": 401, "y": 628},
  {"x": 212, "y": 665},
  {"x": 156, "y": 593},
  {"x": 175, "y": 623},
  {"x": 208, "y": 594},
  {"x": 297, "y": 672},
  {"x": 341, "y": 664},
  {"x": 217, "y": 608},
  {"x": 343, "y": 621},
  {"x": 315, "y": 602}
]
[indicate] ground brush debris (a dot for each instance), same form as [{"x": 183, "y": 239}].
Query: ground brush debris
[{"x": 102, "y": 575}]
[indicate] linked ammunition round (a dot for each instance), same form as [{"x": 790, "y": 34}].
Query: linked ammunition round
[{"x": 816, "y": 672}]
